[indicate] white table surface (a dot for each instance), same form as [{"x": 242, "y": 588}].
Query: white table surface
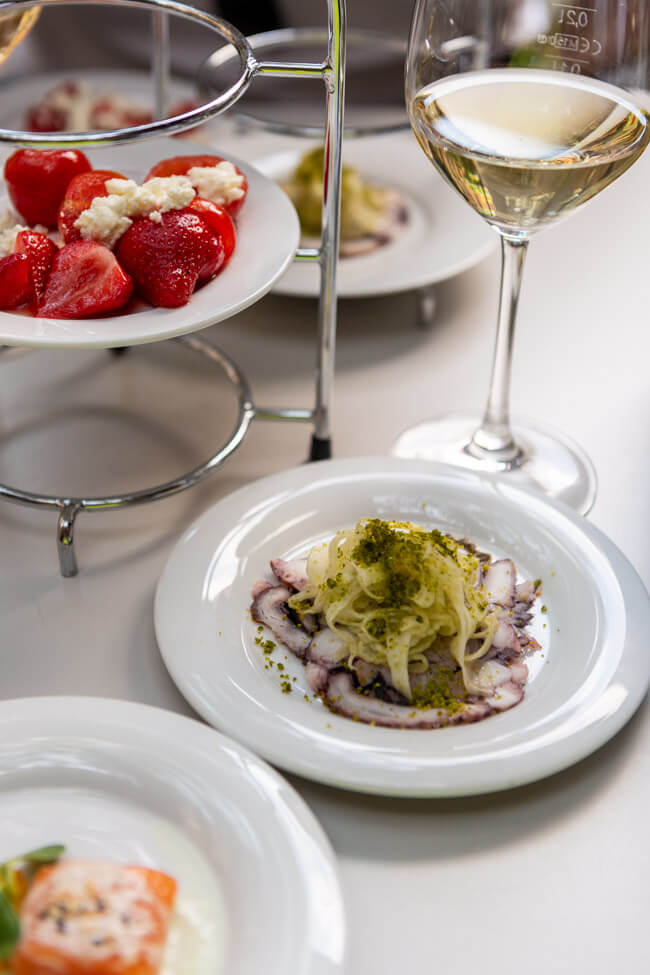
[{"x": 547, "y": 878}]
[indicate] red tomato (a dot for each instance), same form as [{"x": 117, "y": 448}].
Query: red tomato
[
  {"x": 180, "y": 165},
  {"x": 219, "y": 221},
  {"x": 80, "y": 193}
]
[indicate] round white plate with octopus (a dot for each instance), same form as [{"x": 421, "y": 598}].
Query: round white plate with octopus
[{"x": 404, "y": 628}]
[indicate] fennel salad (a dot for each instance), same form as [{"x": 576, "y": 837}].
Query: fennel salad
[{"x": 399, "y": 625}]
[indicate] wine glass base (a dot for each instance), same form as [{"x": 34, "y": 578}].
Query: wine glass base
[{"x": 551, "y": 463}]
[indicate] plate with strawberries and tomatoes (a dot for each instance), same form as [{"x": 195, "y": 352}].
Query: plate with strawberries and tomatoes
[{"x": 134, "y": 244}]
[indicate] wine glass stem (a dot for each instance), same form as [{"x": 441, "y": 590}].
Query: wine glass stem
[{"x": 494, "y": 440}]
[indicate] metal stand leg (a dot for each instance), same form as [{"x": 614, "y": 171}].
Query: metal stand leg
[
  {"x": 65, "y": 540},
  {"x": 160, "y": 62},
  {"x": 321, "y": 448},
  {"x": 426, "y": 313}
]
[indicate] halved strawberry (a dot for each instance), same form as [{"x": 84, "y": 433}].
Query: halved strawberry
[
  {"x": 37, "y": 181},
  {"x": 219, "y": 221},
  {"x": 85, "y": 280},
  {"x": 180, "y": 165},
  {"x": 40, "y": 251},
  {"x": 15, "y": 284},
  {"x": 79, "y": 195},
  {"x": 168, "y": 259}
]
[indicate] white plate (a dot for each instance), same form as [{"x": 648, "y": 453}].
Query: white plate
[
  {"x": 19, "y": 95},
  {"x": 116, "y": 780},
  {"x": 592, "y": 677},
  {"x": 267, "y": 237},
  {"x": 442, "y": 238}
]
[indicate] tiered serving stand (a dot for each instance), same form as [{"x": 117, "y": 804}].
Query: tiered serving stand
[{"x": 332, "y": 72}]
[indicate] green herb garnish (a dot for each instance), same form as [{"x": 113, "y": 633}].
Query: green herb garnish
[
  {"x": 9, "y": 928},
  {"x": 46, "y": 854},
  {"x": 10, "y": 891}
]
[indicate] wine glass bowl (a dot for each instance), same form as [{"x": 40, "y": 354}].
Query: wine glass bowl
[
  {"x": 14, "y": 27},
  {"x": 528, "y": 109}
]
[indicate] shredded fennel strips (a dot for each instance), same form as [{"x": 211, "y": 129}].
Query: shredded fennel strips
[{"x": 391, "y": 591}]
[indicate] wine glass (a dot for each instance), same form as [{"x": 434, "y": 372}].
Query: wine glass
[
  {"x": 14, "y": 27},
  {"x": 528, "y": 108}
]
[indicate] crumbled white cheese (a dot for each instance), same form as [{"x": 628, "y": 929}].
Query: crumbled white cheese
[
  {"x": 8, "y": 238},
  {"x": 113, "y": 111},
  {"x": 108, "y": 217},
  {"x": 82, "y": 108},
  {"x": 9, "y": 230},
  {"x": 221, "y": 183},
  {"x": 75, "y": 103},
  {"x": 7, "y": 219}
]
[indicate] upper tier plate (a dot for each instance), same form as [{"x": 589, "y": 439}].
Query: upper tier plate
[
  {"x": 267, "y": 238},
  {"x": 587, "y": 682}
]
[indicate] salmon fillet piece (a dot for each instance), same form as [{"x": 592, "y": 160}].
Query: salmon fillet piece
[{"x": 94, "y": 918}]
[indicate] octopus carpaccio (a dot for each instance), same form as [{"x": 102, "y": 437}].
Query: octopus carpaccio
[{"x": 365, "y": 693}]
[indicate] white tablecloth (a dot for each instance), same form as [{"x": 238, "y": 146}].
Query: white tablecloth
[{"x": 547, "y": 878}]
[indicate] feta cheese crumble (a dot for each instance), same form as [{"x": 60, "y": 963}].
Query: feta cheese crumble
[
  {"x": 8, "y": 239},
  {"x": 108, "y": 217},
  {"x": 221, "y": 183},
  {"x": 74, "y": 102},
  {"x": 9, "y": 230}
]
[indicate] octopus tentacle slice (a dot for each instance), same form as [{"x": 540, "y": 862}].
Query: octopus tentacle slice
[
  {"x": 270, "y": 608},
  {"x": 326, "y": 649},
  {"x": 292, "y": 574},
  {"x": 506, "y": 638},
  {"x": 317, "y": 677},
  {"x": 342, "y": 696},
  {"x": 500, "y": 684},
  {"x": 500, "y": 583}
]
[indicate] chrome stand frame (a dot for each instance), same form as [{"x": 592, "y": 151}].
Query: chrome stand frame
[{"x": 332, "y": 72}]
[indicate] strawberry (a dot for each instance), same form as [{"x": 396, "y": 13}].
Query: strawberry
[
  {"x": 110, "y": 113},
  {"x": 220, "y": 223},
  {"x": 40, "y": 251},
  {"x": 15, "y": 285},
  {"x": 37, "y": 181},
  {"x": 79, "y": 195},
  {"x": 168, "y": 259},
  {"x": 180, "y": 165},
  {"x": 49, "y": 115},
  {"x": 85, "y": 280}
]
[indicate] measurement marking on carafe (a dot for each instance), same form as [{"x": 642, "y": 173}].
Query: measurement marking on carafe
[
  {"x": 576, "y": 6},
  {"x": 555, "y": 57}
]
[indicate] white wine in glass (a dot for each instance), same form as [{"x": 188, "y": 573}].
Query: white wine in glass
[
  {"x": 528, "y": 109},
  {"x": 14, "y": 28},
  {"x": 526, "y": 147}
]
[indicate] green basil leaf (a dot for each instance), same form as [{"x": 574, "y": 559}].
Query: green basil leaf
[
  {"x": 46, "y": 854},
  {"x": 9, "y": 928}
]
